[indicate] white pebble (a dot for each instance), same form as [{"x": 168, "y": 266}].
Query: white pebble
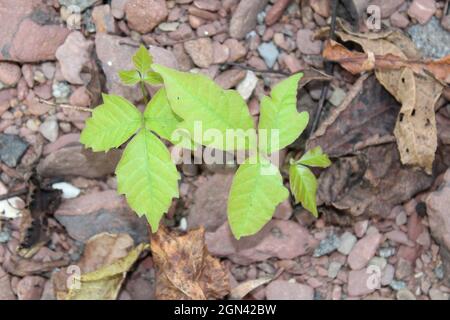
[{"x": 68, "y": 191}]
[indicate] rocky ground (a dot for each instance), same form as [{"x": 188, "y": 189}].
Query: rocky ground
[{"x": 376, "y": 214}]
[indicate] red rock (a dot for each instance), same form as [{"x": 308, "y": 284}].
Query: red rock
[
  {"x": 361, "y": 282},
  {"x": 80, "y": 97},
  {"x": 445, "y": 22},
  {"x": 118, "y": 8},
  {"x": 422, "y": 10},
  {"x": 30, "y": 288},
  {"x": 360, "y": 228},
  {"x": 244, "y": 17},
  {"x": 321, "y": 7},
  {"x": 399, "y": 237},
  {"x": 98, "y": 212},
  {"x": 278, "y": 238},
  {"x": 286, "y": 290},
  {"x": 387, "y": 8},
  {"x": 200, "y": 51},
  {"x": 415, "y": 226},
  {"x": 220, "y": 53},
  {"x": 283, "y": 211},
  {"x": 293, "y": 64},
  {"x": 6, "y": 292},
  {"x": 408, "y": 253},
  {"x": 9, "y": 74},
  {"x": 203, "y": 14},
  {"x": 44, "y": 91},
  {"x": 144, "y": 15},
  {"x": 183, "y": 32},
  {"x": 237, "y": 50},
  {"x": 364, "y": 250},
  {"x": 306, "y": 44},
  {"x": 209, "y": 208},
  {"x": 276, "y": 11},
  {"x": 399, "y": 20},
  {"x": 209, "y": 5},
  {"x": 61, "y": 142},
  {"x": 103, "y": 19},
  {"x": 26, "y": 32},
  {"x": 230, "y": 78},
  {"x": 73, "y": 55}
]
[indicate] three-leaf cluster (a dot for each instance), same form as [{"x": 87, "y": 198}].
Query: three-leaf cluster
[{"x": 146, "y": 174}]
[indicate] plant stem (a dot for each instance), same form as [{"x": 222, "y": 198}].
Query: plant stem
[{"x": 144, "y": 92}]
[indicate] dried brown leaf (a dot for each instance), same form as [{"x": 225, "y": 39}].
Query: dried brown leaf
[
  {"x": 246, "y": 287},
  {"x": 415, "y": 129},
  {"x": 185, "y": 269}
]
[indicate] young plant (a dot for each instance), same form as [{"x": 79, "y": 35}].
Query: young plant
[{"x": 148, "y": 177}]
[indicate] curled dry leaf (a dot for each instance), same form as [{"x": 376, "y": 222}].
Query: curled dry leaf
[
  {"x": 246, "y": 287},
  {"x": 415, "y": 129},
  {"x": 106, "y": 260},
  {"x": 185, "y": 269},
  {"x": 358, "y": 62}
]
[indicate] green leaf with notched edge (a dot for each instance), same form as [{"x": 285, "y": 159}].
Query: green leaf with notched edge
[
  {"x": 130, "y": 77},
  {"x": 315, "y": 158},
  {"x": 153, "y": 78},
  {"x": 256, "y": 190},
  {"x": 200, "y": 101},
  {"x": 279, "y": 115},
  {"x": 111, "y": 124},
  {"x": 142, "y": 60},
  {"x": 304, "y": 187},
  {"x": 148, "y": 177},
  {"x": 159, "y": 117}
]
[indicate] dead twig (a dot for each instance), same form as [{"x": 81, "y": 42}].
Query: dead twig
[
  {"x": 64, "y": 106},
  {"x": 328, "y": 69},
  {"x": 244, "y": 67},
  {"x": 13, "y": 194}
]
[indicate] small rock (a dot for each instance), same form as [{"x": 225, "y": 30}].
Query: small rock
[
  {"x": 387, "y": 8},
  {"x": 49, "y": 129},
  {"x": 61, "y": 90},
  {"x": 244, "y": 17},
  {"x": 230, "y": 78},
  {"x": 337, "y": 97},
  {"x": 209, "y": 208},
  {"x": 118, "y": 8},
  {"x": 360, "y": 284},
  {"x": 77, "y": 161},
  {"x": 405, "y": 294},
  {"x": 80, "y": 98},
  {"x": 333, "y": 269},
  {"x": 30, "y": 288},
  {"x": 246, "y": 87},
  {"x": 209, "y": 5},
  {"x": 327, "y": 245},
  {"x": 168, "y": 26},
  {"x": 387, "y": 275},
  {"x": 401, "y": 218},
  {"x": 397, "y": 285},
  {"x": 399, "y": 20},
  {"x": 399, "y": 237},
  {"x": 436, "y": 294},
  {"x": 200, "y": 51},
  {"x": 378, "y": 262},
  {"x": 103, "y": 19},
  {"x": 12, "y": 148},
  {"x": 321, "y": 7},
  {"x": 360, "y": 228},
  {"x": 9, "y": 74},
  {"x": 293, "y": 64},
  {"x": 386, "y": 252},
  {"x": 221, "y": 53},
  {"x": 99, "y": 212},
  {"x": 284, "y": 210},
  {"x": 143, "y": 20},
  {"x": 445, "y": 22},
  {"x": 278, "y": 238},
  {"x": 431, "y": 39},
  {"x": 6, "y": 292},
  {"x": 286, "y": 290},
  {"x": 81, "y": 4},
  {"x": 422, "y": 10},
  {"x": 276, "y": 11},
  {"x": 68, "y": 190},
  {"x": 269, "y": 52},
  {"x": 306, "y": 44},
  {"x": 364, "y": 250},
  {"x": 237, "y": 50}
]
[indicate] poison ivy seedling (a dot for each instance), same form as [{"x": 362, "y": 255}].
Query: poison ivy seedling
[{"x": 148, "y": 177}]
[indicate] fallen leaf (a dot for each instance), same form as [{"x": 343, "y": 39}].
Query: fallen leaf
[
  {"x": 415, "y": 130},
  {"x": 100, "y": 272},
  {"x": 185, "y": 269},
  {"x": 357, "y": 62},
  {"x": 248, "y": 286}
]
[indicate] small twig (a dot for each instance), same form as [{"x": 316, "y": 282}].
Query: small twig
[
  {"x": 64, "y": 106},
  {"x": 241, "y": 66},
  {"x": 328, "y": 70},
  {"x": 13, "y": 194}
]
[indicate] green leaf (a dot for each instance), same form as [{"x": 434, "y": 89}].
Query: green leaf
[
  {"x": 111, "y": 124},
  {"x": 148, "y": 177},
  {"x": 280, "y": 124},
  {"x": 160, "y": 118},
  {"x": 142, "y": 60},
  {"x": 200, "y": 101},
  {"x": 129, "y": 77},
  {"x": 256, "y": 190},
  {"x": 304, "y": 187},
  {"x": 315, "y": 158},
  {"x": 153, "y": 78}
]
